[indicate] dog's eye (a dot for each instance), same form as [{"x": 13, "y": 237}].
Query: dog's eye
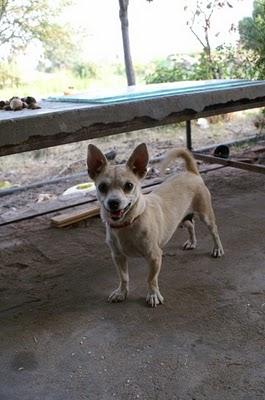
[
  {"x": 103, "y": 187},
  {"x": 128, "y": 187}
]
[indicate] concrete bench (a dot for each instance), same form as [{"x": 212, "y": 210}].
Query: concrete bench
[{"x": 75, "y": 118}]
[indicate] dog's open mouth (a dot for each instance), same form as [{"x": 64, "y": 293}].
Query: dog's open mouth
[{"x": 117, "y": 215}]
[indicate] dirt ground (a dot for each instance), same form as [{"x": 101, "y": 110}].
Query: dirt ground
[{"x": 61, "y": 340}]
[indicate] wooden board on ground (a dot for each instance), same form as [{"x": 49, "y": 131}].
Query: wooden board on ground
[
  {"x": 46, "y": 207},
  {"x": 60, "y": 221}
]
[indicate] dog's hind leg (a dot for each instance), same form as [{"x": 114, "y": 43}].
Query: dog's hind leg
[
  {"x": 206, "y": 213},
  {"x": 209, "y": 220},
  {"x": 154, "y": 296},
  {"x": 189, "y": 224}
]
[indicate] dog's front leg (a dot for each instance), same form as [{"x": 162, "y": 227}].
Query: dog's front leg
[
  {"x": 121, "y": 292},
  {"x": 154, "y": 296}
]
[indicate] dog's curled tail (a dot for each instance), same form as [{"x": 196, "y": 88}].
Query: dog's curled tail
[{"x": 185, "y": 154}]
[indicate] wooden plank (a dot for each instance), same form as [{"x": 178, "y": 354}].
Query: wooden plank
[
  {"x": 39, "y": 209},
  {"x": 63, "y": 220},
  {"x": 230, "y": 163}
]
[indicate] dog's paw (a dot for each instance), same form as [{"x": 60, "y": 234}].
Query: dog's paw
[
  {"x": 118, "y": 295},
  {"x": 218, "y": 252},
  {"x": 154, "y": 298},
  {"x": 188, "y": 245}
]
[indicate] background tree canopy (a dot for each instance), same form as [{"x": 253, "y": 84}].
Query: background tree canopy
[
  {"x": 215, "y": 62},
  {"x": 38, "y": 29},
  {"x": 252, "y": 36},
  {"x": 25, "y": 21}
]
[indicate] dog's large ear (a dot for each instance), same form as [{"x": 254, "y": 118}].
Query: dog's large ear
[
  {"x": 96, "y": 161},
  {"x": 138, "y": 160}
]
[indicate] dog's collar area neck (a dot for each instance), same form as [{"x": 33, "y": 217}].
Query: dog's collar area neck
[{"x": 125, "y": 223}]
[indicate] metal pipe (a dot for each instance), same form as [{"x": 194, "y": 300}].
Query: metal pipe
[{"x": 251, "y": 139}]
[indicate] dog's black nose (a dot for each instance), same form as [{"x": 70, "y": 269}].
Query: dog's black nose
[{"x": 114, "y": 204}]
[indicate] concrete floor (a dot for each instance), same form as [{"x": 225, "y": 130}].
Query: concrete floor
[{"x": 61, "y": 340}]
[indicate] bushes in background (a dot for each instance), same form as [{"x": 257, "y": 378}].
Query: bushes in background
[{"x": 227, "y": 62}]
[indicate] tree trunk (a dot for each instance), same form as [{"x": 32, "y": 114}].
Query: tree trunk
[
  {"x": 126, "y": 42},
  {"x": 208, "y": 51}
]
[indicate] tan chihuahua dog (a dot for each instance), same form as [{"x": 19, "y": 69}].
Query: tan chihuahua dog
[{"x": 140, "y": 225}]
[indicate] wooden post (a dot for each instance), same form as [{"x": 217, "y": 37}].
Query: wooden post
[
  {"x": 126, "y": 42},
  {"x": 188, "y": 135}
]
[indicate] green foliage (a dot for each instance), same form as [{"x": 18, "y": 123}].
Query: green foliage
[
  {"x": 9, "y": 75},
  {"x": 200, "y": 22},
  {"x": 42, "y": 84},
  {"x": 118, "y": 69},
  {"x": 25, "y": 21},
  {"x": 85, "y": 70},
  {"x": 168, "y": 70},
  {"x": 59, "y": 50},
  {"x": 252, "y": 36},
  {"x": 228, "y": 62}
]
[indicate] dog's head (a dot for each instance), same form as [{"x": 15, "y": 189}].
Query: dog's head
[{"x": 118, "y": 186}]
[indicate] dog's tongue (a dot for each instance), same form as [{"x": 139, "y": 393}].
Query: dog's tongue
[{"x": 117, "y": 214}]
